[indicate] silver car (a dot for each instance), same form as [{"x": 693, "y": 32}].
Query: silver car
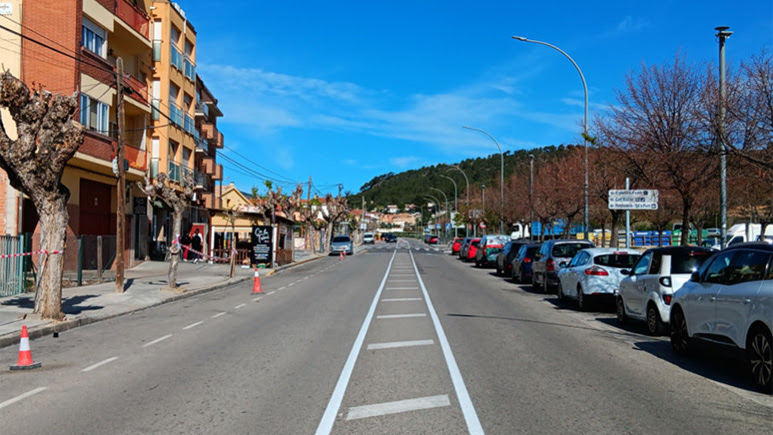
[
  {"x": 594, "y": 273},
  {"x": 342, "y": 244}
]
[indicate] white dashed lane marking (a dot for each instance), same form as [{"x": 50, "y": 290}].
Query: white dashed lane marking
[
  {"x": 21, "y": 397},
  {"x": 395, "y": 344},
  {"x": 99, "y": 364},
  {"x": 398, "y": 407},
  {"x": 400, "y": 299},
  {"x": 158, "y": 340},
  {"x": 400, "y": 316},
  {"x": 192, "y": 325},
  {"x": 215, "y": 316}
]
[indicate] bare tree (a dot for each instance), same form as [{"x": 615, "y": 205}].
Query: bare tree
[
  {"x": 231, "y": 216},
  {"x": 35, "y": 161},
  {"x": 178, "y": 201},
  {"x": 657, "y": 123},
  {"x": 336, "y": 210}
]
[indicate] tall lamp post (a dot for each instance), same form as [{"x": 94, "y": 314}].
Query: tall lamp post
[
  {"x": 722, "y": 34},
  {"x": 456, "y": 199},
  {"x": 467, "y": 203},
  {"x": 501, "y": 180},
  {"x": 448, "y": 214},
  {"x": 437, "y": 203},
  {"x": 482, "y": 202},
  {"x": 585, "y": 125},
  {"x": 531, "y": 197}
]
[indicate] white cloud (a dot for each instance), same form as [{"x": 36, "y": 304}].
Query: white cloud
[{"x": 404, "y": 162}]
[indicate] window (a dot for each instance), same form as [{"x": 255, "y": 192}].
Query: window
[
  {"x": 624, "y": 261},
  {"x": 94, "y": 38},
  {"x": 688, "y": 263},
  {"x": 643, "y": 265},
  {"x": 94, "y": 114},
  {"x": 717, "y": 271},
  {"x": 748, "y": 266}
]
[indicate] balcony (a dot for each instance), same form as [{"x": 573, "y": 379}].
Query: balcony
[
  {"x": 190, "y": 69},
  {"x": 175, "y": 173},
  {"x": 218, "y": 175},
  {"x": 189, "y": 125},
  {"x": 218, "y": 142},
  {"x": 200, "y": 180},
  {"x": 202, "y": 110},
  {"x": 201, "y": 144},
  {"x": 137, "y": 158},
  {"x": 208, "y": 131},
  {"x": 208, "y": 165},
  {"x": 210, "y": 201},
  {"x": 136, "y": 18},
  {"x": 139, "y": 90}
]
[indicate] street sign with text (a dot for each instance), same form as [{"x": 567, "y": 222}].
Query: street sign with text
[{"x": 633, "y": 199}]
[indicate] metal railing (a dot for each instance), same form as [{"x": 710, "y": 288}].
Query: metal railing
[
  {"x": 177, "y": 58},
  {"x": 174, "y": 172},
  {"x": 12, "y": 270},
  {"x": 190, "y": 69}
]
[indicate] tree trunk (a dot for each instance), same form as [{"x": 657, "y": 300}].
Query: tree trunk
[
  {"x": 174, "y": 259},
  {"x": 685, "y": 239},
  {"x": 53, "y": 233},
  {"x": 329, "y": 235},
  {"x": 615, "y": 239}
]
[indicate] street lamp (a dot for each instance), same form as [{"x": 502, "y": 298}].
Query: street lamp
[
  {"x": 467, "y": 181},
  {"x": 482, "y": 202},
  {"x": 446, "y": 198},
  {"x": 456, "y": 199},
  {"x": 531, "y": 197},
  {"x": 722, "y": 34},
  {"x": 435, "y": 201},
  {"x": 585, "y": 125},
  {"x": 501, "y": 180}
]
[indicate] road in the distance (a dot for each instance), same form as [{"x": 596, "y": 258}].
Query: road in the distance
[{"x": 223, "y": 363}]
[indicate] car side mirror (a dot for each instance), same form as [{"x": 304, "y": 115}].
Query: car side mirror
[
  {"x": 562, "y": 264},
  {"x": 625, "y": 272},
  {"x": 695, "y": 277}
]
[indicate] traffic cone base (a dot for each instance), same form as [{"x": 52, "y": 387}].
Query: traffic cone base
[
  {"x": 256, "y": 287},
  {"x": 25, "y": 354}
]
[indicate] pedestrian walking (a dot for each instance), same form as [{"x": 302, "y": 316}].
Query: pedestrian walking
[
  {"x": 196, "y": 245},
  {"x": 185, "y": 241}
]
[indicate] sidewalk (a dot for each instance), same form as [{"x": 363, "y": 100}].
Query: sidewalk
[{"x": 92, "y": 303}]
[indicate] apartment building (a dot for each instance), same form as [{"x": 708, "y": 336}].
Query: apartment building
[
  {"x": 10, "y": 59},
  {"x": 184, "y": 117},
  {"x": 71, "y": 47}
]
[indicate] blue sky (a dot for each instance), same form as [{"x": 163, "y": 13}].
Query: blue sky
[{"x": 344, "y": 91}]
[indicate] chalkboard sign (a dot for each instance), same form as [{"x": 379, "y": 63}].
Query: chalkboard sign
[
  {"x": 140, "y": 206},
  {"x": 262, "y": 244}
]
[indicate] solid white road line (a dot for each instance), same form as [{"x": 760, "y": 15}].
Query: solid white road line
[
  {"x": 398, "y": 407},
  {"x": 239, "y": 306},
  {"x": 99, "y": 364},
  {"x": 215, "y": 316},
  {"x": 465, "y": 402},
  {"x": 158, "y": 340},
  {"x": 21, "y": 397},
  {"x": 331, "y": 411},
  {"x": 394, "y": 344},
  {"x": 192, "y": 325},
  {"x": 400, "y": 316},
  {"x": 400, "y": 299}
]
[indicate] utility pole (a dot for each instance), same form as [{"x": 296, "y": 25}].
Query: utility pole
[
  {"x": 340, "y": 188},
  {"x": 120, "y": 198},
  {"x": 722, "y": 34}
]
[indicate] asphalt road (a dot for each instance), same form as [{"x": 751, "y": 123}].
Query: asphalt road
[{"x": 392, "y": 340}]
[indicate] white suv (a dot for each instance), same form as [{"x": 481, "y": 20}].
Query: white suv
[
  {"x": 645, "y": 294},
  {"x": 367, "y": 239},
  {"x": 728, "y": 301}
]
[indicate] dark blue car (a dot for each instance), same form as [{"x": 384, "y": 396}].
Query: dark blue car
[{"x": 521, "y": 270}]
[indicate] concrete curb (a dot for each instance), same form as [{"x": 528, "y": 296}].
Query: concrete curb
[{"x": 65, "y": 325}]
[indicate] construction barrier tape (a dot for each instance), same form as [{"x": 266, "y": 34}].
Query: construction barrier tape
[
  {"x": 27, "y": 254},
  {"x": 188, "y": 248}
]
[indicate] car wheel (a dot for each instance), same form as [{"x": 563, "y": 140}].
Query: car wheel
[
  {"x": 560, "y": 292},
  {"x": 654, "y": 324},
  {"x": 499, "y": 271},
  {"x": 582, "y": 303},
  {"x": 534, "y": 282},
  {"x": 680, "y": 339},
  {"x": 759, "y": 353},
  {"x": 622, "y": 317}
]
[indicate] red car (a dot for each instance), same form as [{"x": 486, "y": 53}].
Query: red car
[
  {"x": 432, "y": 240},
  {"x": 472, "y": 250},
  {"x": 457, "y": 245}
]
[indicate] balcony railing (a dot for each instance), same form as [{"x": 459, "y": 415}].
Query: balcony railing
[
  {"x": 138, "y": 87},
  {"x": 177, "y": 57},
  {"x": 174, "y": 172},
  {"x": 133, "y": 16},
  {"x": 176, "y": 114},
  {"x": 201, "y": 144},
  {"x": 190, "y": 69},
  {"x": 200, "y": 180},
  {"x": 202, "y": 109},
  {"x": 185, "y": 173},
  {"x": 189, "y": 124}
]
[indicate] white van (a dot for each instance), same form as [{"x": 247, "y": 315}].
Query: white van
[
  {"x": 520, "y": 231},
  {"x": 367, "y": 239},
  {"x": 739, "y": 233}
]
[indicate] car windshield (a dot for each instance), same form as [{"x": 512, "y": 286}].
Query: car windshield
[
  {"x": 688, "y": 263},
  {"x": 475, "y": 243},
  {"x": 339, "y": 239},
  {"x": 531, "y": 251},
  {"x": 568, "y": 250},
  {"x": 623, "y": 261}
]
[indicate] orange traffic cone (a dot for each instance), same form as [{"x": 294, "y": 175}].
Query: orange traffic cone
[
  {"x": 256, "y": 287},
  {"x": 341, "y": 255},
  {"x": 25, "y": 355}
]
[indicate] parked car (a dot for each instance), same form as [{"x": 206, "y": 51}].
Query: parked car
[
  {"x": 505, "y": 258},
  {"x": 368, "y": 239},
  {"x": 521, "y": 264},
  {"x": 646, "y": 292},
  {"x": 456, "y": 245},
  {"x": 341, "y": 243},
  {"x": 727, "y": 301},
  {"x": 594, "y": 273},
  {"x": 490, "y": 246},
  {"x": 433, "y": 240},
  {"x": 465, "y": 246},
  {"x": 551, "y": 254},
  {"x": 389, "y": 237},
  {"x": 471, "y": 250}
]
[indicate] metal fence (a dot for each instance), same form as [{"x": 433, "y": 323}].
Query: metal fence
[{"x": 12, "y": 269}]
